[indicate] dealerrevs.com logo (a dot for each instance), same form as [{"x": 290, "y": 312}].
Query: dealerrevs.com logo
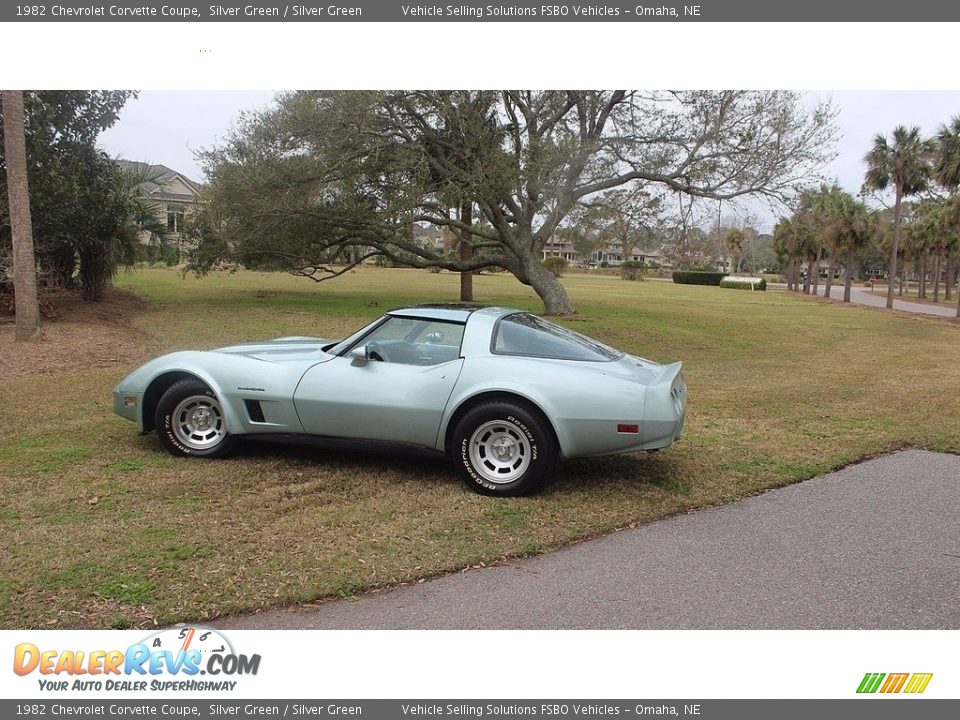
[
  {"x": 179, "y": 659},
  {"x": 910, "y": 683}
]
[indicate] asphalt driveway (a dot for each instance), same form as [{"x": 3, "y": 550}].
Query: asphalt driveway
[
  {"x": 878, "y": 298},
  {"x": 876, "y": 545}
]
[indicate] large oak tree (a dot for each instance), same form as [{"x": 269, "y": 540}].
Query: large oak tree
[{"x": 332, "y": 177}]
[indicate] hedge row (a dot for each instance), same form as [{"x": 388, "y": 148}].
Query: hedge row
[
  {"x": 697, "y": 277},
  {"x": 744, "y": 283}
]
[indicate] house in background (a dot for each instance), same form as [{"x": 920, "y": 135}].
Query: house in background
[
  {"x": 560, "y": 248},
  {"x": 440, "y": 240},
  {"x": 612, "y": 254},
  {"x": 172, "y": 194}
]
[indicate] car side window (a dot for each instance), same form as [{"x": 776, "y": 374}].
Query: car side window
[
  {"x": 414, "y": 341},
  {"x": 529, "y": 335}
]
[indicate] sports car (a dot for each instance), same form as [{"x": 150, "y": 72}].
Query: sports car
[{"x": 503, "y": 393}]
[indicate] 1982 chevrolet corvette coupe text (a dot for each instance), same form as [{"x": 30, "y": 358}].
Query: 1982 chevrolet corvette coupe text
[{"x": 502, "y": 392}]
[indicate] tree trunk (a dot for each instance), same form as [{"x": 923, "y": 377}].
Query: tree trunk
[
  {"x": 547, "y": 287},
  {"x": 848, "y": 278},
  {"x": 809, "y": 283},
  {"x": 466, "y": 252},
  {"x": 936, "y": 277},
  {"x": 829, "y": 283},
  {"x": 895, "y": 248},
  {"x": 94, "y": 271},
  {"x": 26, "y": 305},
  {"x": 922, "y": 290},
  {"x": 948, "y": 280},
  {"x": 815, "y": 280}
]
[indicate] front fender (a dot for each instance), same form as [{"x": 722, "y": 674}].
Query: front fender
[{"x": 234, "y": 379}]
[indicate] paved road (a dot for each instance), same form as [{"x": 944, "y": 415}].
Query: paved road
[
  {"x": 878, "y": 298},
  {"x": 876, "y": 545}
]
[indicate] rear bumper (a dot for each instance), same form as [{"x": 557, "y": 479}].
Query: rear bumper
[{"x": 664, "y": 430}]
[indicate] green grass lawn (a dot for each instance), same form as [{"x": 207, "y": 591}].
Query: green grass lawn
[
  {"x": 913, "y": 296},
  {"x": 100, "y": 528}
]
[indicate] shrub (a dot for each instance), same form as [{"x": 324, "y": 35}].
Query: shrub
[
  {"x": 743, "y": 283},
  {"x": 631, "y": 270},
  {"x": 697, "y": 277},
  {"x": 167, "y": 253},
  {"x": 556, "y": 264}
]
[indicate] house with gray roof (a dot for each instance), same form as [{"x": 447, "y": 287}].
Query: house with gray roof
[{"x": 172, "y": 194}]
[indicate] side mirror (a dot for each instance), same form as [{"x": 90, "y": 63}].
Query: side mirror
[{"x": 358, "y": 356}]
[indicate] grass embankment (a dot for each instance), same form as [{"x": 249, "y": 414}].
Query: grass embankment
[{"x": 100, "y": 527}]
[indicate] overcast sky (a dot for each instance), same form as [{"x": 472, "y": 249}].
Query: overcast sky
[{"x": 168, "y": 127}]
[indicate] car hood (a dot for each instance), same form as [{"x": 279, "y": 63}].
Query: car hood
[{"x": 282, "y": 350}]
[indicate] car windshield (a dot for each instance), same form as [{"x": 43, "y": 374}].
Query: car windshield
[
  {"x": 525, "y": 334},
  {"x": 345, "y": 344}
]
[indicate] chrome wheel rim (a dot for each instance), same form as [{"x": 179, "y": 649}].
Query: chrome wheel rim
[
  {"x": 499, "y": 451},
  {"x": 198, "y": 422}
]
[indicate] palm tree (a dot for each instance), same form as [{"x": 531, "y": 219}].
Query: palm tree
[
  {"x": 916, "y": 241},
  {"x": 733, "y": 241},
  {"x": 947, "y": 167},
  {"x": 792, "y": 237},
  {"x": 848, "y": 230},
  {"x": 905, "y": 164},
  {"x": 951, "y": 218},
  {"x": 812, "y": 248},
  {"x": 947, "y": 172},
  {"x": 821, "y": 207},
  {"x": 27, "y": 307}
]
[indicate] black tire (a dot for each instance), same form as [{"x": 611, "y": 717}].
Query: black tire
[
  {"x": 173, "y": 440},
  {"x": 530, "y": 453}
]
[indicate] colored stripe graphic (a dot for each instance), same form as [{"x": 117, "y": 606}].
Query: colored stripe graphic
[
  {"x": 894, "y": 683},
  {"x": 918, "y": 683},
  {"x": 870, "y": 682}
]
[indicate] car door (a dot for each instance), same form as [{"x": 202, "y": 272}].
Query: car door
[{"x": 399, "y": 397}]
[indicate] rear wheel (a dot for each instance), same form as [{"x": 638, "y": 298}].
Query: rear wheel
[
  {"x": 501, "y": 448},
  {"x": 190, "y": 421}
]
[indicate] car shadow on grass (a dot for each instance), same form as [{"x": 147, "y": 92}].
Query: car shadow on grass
[
  {"x": 285, "y": 463},
  {"x": 656, "y": 470}
]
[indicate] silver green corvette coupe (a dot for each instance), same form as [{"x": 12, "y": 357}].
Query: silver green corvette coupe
[{"x": 501, "y": 392}]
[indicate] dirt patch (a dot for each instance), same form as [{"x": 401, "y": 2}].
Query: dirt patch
[{"x": 81, "y": 336}]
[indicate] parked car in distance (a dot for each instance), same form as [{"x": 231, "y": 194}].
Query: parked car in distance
[{"x": 503, "y": 393}]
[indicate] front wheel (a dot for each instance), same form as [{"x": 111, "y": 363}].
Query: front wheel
[
  {"x": 190, "y": 421},
  {"x": 503, "y": 449}
]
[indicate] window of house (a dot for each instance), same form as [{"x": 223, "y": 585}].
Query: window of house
[{"x": 174, "y": 218}]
